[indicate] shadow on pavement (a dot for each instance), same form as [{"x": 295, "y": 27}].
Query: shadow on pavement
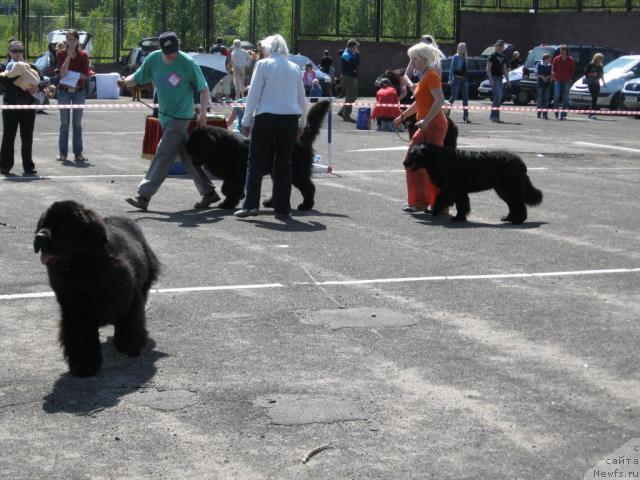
[
  {"x": 186, "y": 218},
  {"x": 119, "y": 376},
  {"x": 445, "y": 221},
  {"x": 289, "y": 225}
]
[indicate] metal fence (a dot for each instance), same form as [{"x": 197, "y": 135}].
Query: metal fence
[
  {"x": 551, "y": 5},
  {"x": 118, "y": 25}
]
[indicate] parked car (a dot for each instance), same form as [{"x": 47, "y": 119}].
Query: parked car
[
  {"x": 325, "y": 80},
  {"x": 476, "y": 73},
  {"x": 631, "y": 95},
  {"x": 510, "y": 91},
  {"x": 616, "y": 74},
  {"x": 131, "y": 62},
  {"x": 581, "y": 54}
]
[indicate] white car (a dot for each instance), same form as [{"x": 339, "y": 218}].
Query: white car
[
  {"x": 616, "y": 74},
  {"x": 631, "y": 95}
]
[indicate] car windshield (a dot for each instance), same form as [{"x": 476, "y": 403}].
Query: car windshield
[
  {"x": 621, "y": 64},
  {"x": 536, "y": 55}
]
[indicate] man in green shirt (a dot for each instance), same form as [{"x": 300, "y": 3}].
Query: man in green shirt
[{"x": 174, "y": 75}]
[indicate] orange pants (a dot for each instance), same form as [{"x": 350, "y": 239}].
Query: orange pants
[{"x": 421, "y": 193}]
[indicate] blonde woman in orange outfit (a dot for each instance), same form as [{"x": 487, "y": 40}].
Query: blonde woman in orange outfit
[{"x": 431, "y": 124}]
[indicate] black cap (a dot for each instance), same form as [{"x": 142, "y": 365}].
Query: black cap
[
  {"x": 168, "y": 43},
  {"x": 500, "y": 42}
]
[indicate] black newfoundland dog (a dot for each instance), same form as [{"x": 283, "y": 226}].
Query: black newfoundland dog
[
  {"x": 101, "y": 270},
  {"x": 457, "y": 173},
  {"x": 225, "y": 155}
]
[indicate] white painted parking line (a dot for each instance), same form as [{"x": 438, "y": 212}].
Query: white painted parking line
[
  {"x": 403, "y": 148},
  {"x": 438, "y": 278},
  {"x": 611, "y": 147}
]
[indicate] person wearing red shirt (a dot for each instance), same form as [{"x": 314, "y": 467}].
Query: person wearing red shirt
[
  {"x": 74, "y": 72},
  {"x": 562, "y": 69},
  {"x": 384, "y": 115}
]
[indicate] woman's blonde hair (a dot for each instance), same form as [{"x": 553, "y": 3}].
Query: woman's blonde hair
[
  {"x": 598, "y": 58},
  {"x": 427, "y": 52},
  {"x": 465, "y": 53}
]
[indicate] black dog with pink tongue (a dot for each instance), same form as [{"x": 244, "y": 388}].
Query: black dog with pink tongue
[{"x": 101, "y": 270}]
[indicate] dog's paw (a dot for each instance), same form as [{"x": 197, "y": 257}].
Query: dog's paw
[
  {"x": 267, "y": 203},
  {"x": 506, "y": 218},
  {"x": 304, "y": 206}
]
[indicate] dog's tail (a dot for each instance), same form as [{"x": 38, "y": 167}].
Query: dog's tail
[
  {"x": 451, "y": 138},
  {"x": 532, "y": 196},
  {"x": 314, "y": 121}
]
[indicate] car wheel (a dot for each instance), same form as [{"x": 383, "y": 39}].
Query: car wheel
[
  {"x": 616, "y": 102},
  {"x": 522, "y": 98}
]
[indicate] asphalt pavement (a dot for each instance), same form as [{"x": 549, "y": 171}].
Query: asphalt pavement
[{"x": 413, "y": 347}]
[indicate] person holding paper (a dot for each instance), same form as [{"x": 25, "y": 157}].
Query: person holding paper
[{"x": 74, "y": 72}]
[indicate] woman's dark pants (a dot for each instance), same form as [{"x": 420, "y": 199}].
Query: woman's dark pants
[{"x": 271, "y": 135}]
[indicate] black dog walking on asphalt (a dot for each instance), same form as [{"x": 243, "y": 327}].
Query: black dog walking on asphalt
[
  {"x": 225, "y": 155},
  {"x": 101, "y": 270},
  {"x": 457, "y": 173}
]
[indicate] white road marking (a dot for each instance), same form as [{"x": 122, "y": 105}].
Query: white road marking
[
  {"x": 611, "y": 147},
  {"x": 403, "y": 148},
  {"x": 438, "y": 278}
]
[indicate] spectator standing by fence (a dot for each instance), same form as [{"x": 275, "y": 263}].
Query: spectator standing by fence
[
  {"x": 326, "y": 64},
  {"x": 12, "y": 119},
  {"x": 458, "y": 80},
  {"x": 563, "y": 68},
  {"x": 543, "y": 73},
  {"x": 496, "y": 71},
  {"x": 349, "y": 79},
  {"x": 593, "y": 74},
  {"x": 240, "y": 60},
  {"x": 74, "y": 72}
]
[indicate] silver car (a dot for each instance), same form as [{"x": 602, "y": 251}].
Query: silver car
[
  {"x": 616, "y": 74},
  {"x": 631, "y": 94}
]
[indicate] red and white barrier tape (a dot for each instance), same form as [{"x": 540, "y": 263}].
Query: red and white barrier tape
[{"x": 141, "y": 106}]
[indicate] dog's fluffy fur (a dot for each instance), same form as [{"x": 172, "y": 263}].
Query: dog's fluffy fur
[
  {"x": 101, "y": 270},
  {"x": 225, "y": 155},
  {"x": 457, "y": 173}
]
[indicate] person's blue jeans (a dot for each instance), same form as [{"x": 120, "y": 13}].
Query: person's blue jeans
[
  {"x": 68, "y": 98},
  {"x": 542, "y": 101},
  {"x": 497, "y": 97},
  {"x": 561, "y": 89},
  {"x": 273, "y": 137},
  {"x": 460, "y": 84}
]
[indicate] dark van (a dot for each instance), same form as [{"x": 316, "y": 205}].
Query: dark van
[{"x": 582, "y": 55}]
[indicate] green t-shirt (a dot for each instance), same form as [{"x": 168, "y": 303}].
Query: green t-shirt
[{"x": 174, "y": 83}]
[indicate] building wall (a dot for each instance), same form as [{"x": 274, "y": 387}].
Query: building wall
[{"x": 524, "y": 30}]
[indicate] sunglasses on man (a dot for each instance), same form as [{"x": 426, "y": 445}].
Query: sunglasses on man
[{"x": 16, "y": 51}]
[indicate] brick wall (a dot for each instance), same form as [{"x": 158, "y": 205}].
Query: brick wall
[{"x": 524, "y": 30}]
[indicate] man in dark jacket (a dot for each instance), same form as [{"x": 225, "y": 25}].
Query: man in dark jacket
[{"x": 349, "y": 80}]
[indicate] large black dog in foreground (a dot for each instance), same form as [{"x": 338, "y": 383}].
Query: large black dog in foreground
[
  {"x": 457, "y": 173},
  {"x": 225, "y": 155},
  {"x": 101, "y": 270}
]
